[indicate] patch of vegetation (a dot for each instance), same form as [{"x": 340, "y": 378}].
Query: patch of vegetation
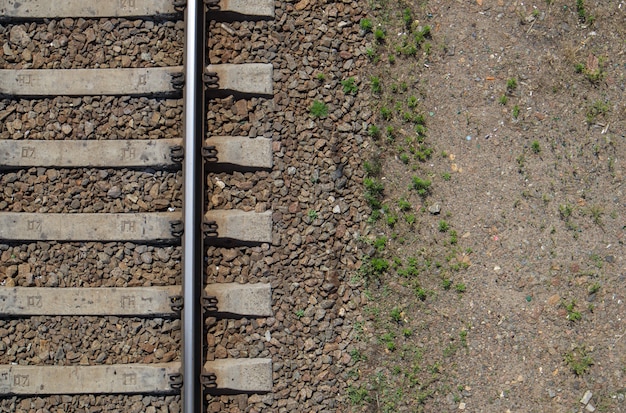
[
  {"x": 312, "y": 214},
  {"x": 535, "y": 146},
  {"x": 320, "y": 76},
  {"x": 578, "y": 360},
  {"x": 375, "y": 83},
  {"x": 515, "y": 112},
  {"x": 404, "y": 205},
  {"x": 511, "y": 85},
  {"x": 373, "y": 131},
  {"x": 583, "y": 15},
  {"x": 443, "y": 226},
  {"x": 372, "y": 268},
  {"x": 373, "y": 192},
  {"x": 373, "y": 167},
  {"x": 598, "y": 108},
  {"x": 422, "y": 186},
  {"x": 503, "y": 99},
  {"x": 572, "y": 314},
  {"x": 349, "y": 86},
  {"x": 366, "y": 25},
  {"x": 357, "y": 395},
  {"x": 379, "y": 34},
  {"x": 380, "y": 243},
  {"x": 319, "y": 109},
  {"x": 385, "y": 113}
]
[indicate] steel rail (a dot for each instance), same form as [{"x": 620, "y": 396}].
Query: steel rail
[{"x": 193, "y": 125}]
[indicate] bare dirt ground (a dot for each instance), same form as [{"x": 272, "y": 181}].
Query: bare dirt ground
[{"x": 499, "y": 287}]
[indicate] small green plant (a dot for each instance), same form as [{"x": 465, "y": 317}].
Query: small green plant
[
  {"x": 312, "y": 214},
  {"x": 583, "y": 14},
  {"x": 405, "y": 158},
  {"x": 379, "y": 34},
  {"x": 594, "y": 288},
  {"x": 407, "y": 18},
  {"x": 503, "y": 99},
  {"x": 391, "y": 59},
  {"x": 407, "y": 332},
  {"x": 515, "y": 112},
  {"x": 404, "y": 87},
  {"x": 579, "y": 68},
  {"x": 404, "y": 205},
  {"x": 443, "y": 226},
  {"x": 446, "y": 176},
  {"x": 446, "y": 284},
  {"x": 373, "y": 167},
  {"x": 535, "y": 146},
  {"x": 373, "y": 131},
  {"x": 373, "y": 192},
  {"x": 410, "y": 219},
  {"x": 373, "y": 268},
  {"x": 565, "y": 210},
  {"x": 597, "y": 260},
  {"x": 356, "y": 355},
  {"x": 572, "y": 314},
  {"x": 412, "y": 102},
  {"x": 390, "y": 132},
  {"x": 396, "y": 314},
  {"x": 460, "y": 288},
  {"x": 319, "y": 109},
  {"x": 598, "y": 108},
  {"x": 422, "y": 186},
  {"x": 578, "y": 360},
  {"x": 321, "y": 77},
  {"x": 596, "y": 214},
  {"x": 375, "y": 84},
  {"x": 463, "y": 337},
  {"x": 511, "y": 85},
  {"x": 385, "y": 112},
  {"x": 300, "y": 313},
  {"x": 371, "y": 54},
  {"x": 380, "y": 243},
  {"x": 349, "y": 86},
  {"x": 392, "y": 220},
  {"x": 357, "y": 395},
  {"x": 366, "y": 25},
  {"x": 454, "y": 237}
]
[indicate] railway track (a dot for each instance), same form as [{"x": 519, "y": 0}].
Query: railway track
[{"x": 183, "y": 225}]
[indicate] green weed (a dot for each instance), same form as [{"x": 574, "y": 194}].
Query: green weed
[
  {"x": 349, "y": 86},
  {"x": 379, "y": 34},
  {"x": 373, "y": 131},
  {"x": 511, "y": 85},
  {"x": 375, "y": 84},
  {"x": 366, "y": 25},
  {"x": 357, "y": 395},
  {"x": 319, "y": 109},
  {"x": 422, "y": 186},
  {"x": 578, "y": 360},
  {"x": 535, "y": 146},
  {"x": 443, "y": 226}
]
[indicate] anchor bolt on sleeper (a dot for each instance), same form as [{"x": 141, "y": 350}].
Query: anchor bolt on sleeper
[{"x": 211, "y": 80}]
